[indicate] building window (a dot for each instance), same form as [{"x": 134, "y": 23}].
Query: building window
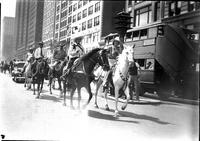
[
  {"x": 83, "y": 26},
  {"x": 85, "y": 2},
  {"x": 75, "y": 7},
  {"x": 74, "y": 19},
  {"x": 174, "y": 8},
  {"x": 89, "y": 23},
  {"x": 143, "y": 16},
  {"x": 193, "y": 6},
  {"x": 69, "y": 19},
  {"x": 97, "y": 7},
  {"x": 79, "y": 4},
  {"x": 79, "y": 16},
  {"x": 58, "y": 8},
  {"x": 90, "y": 10},
  {"x": 96, "y": 21},
  {"x": 70, "y": 9},
  {"x": 84, "y": 13},
  {"x": 57, "y": 17},
  {"x": 95, "y": 36},
  {"x": 157, "y": 11}
]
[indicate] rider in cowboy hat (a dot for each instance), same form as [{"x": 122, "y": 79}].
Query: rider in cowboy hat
[
  {"x": 39, "y": 51},
  {"x": 115, "y": 50},
  {"x": 28, "y": 58},
  {"x": 59, "y": 55},
  {"x": 75, "y": 51}
]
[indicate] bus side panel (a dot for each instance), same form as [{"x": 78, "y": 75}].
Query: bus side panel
[
  {"x": 144, "y": 52},
  {"x": 168, "y": 56}
]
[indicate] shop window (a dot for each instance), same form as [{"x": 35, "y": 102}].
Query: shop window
[
  {"x": 129, "y": 36},
  {"x": 136, "y": 35},
  {"x": 143, "y": 34}
]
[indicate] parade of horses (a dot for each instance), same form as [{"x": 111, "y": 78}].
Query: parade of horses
[{"x": 85, "y": 70}]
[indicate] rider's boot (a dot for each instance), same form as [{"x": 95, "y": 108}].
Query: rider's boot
[{"x": 65, "y": 74}]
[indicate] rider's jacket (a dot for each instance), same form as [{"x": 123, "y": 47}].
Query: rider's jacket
[
  {"x": 38, "y": 53},
  {"x": 59, "y": 55},
  {"x": 75, "y": 51}
]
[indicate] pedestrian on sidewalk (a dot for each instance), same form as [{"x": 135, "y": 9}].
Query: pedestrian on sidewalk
[{"x": 133, "y": 81}]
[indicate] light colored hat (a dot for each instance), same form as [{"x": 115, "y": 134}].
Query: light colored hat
[
  {"x": 116, "y": 39},
  {"x": 78, "y": 39}
]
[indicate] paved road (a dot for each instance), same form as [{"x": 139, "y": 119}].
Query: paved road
[{"x": 24, "y": 117}]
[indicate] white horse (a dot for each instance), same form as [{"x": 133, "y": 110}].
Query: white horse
[
  {"x": 28, "y": 75},
  {"x": 120, "y": 79}
]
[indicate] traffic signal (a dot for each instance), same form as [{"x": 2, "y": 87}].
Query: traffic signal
[
  {"x": 160, "y": 30},
  {"x": 123, "y": 21}
]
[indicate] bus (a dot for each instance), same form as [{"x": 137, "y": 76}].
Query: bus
[{"x": 168, "y": 57}]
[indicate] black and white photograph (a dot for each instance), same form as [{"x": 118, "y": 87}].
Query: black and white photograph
[{"x": 98, "y": 70}]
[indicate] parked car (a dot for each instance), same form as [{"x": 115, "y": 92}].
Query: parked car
[{"x": 17, "y": 74}]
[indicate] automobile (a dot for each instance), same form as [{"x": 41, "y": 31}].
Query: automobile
[{"x": 17, "y": 74}]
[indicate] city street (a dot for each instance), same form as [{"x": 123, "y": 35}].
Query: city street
[{"x": 24, "y": 117}]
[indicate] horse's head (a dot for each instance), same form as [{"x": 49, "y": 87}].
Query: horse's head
[
  {"x": 103, "y": 59},
  {"x": 128, "y": 53}
]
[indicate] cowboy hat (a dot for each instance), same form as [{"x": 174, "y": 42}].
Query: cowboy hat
[
  {"x": 116, "y": 40},
  {"x": 41, "y": 43},
  {"x": 78, "y": 39}
]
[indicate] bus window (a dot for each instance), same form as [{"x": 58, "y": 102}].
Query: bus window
[
  {"x": 149, "y": 64},
  {"x": 141, "y": 63},
  {"x": 136, "y": 35},
  {"x": 128, "y": 36},
  {"x": 143, "y": 34}
]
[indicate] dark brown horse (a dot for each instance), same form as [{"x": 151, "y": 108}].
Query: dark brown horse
[
  {"x": 56, "y": 74},
  {"x": 40, "y": 70},
  {"x": 77, "y": 80}
]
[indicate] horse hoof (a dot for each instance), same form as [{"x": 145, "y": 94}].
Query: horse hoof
[
  {"x": 116, "y": 115},
  {"x": 64, "y": 104},
  {"x": 96, "y": 106},
  {"x": 37, "y": 97},
  {"x": 107, "y": 108},
  {"x": 50, "y": 92},
  {"x": 123, "y": 107}
]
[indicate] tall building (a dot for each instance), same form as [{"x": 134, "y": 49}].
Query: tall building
[
  {"x": 0, "y": 33},
  {"x": 28, "y": 25},
  {"x": 48, "y": 29},
  {"x": 179, "y": 13},
  {"x": 89, "y": 19},
  {"x": 63, "y": 21},
  {"x": 8, "y": 38}
]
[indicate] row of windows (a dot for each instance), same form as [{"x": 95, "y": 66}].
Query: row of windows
[
  {"x": 88, "y": 25},
  {"x": 84, "y": 12},
  {"x": 90, "y": 38},
  {"x": 63, "y": 14},
  {"x": 79, "y": 5},
  {"x": 63, "y": 23},
  {"x": 63, "y": 33}
]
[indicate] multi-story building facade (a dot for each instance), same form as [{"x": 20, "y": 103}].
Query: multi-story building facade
[
  {"x": 8, "y": 38},
  {"x": 179, "y": 13},
  {"x": 93, "y": 20},
  {"x": 48, "y": 27},
  {"x": 28, "y": 25},
  {"x": 63, "y": 22}
]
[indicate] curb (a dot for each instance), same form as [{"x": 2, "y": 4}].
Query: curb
[{"x": 173, "y": 99}]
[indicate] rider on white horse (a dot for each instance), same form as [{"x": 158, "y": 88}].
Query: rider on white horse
[
  {"x": 29, "y": 57},
  {"x": 115, "y": 50}
]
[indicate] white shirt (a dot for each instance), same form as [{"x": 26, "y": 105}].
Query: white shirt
[{"x": 37, "y": 53}]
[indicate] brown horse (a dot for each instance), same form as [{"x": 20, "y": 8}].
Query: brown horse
[
  {"x": 40, "y": 70},
  {"x": 78, "y": 80}
]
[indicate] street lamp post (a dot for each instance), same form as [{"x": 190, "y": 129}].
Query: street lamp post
[{"x": 123, "y": 21}]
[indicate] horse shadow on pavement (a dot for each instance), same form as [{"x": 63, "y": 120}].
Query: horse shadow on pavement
[
  {"x": 50, "y": 97},
  {"x": 100, "y": 115}
]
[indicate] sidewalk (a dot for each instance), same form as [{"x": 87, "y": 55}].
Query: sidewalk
[{"x": 173, "y": 99}]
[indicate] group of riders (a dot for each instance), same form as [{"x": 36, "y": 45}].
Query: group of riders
[{"x": 75, "y": 51}]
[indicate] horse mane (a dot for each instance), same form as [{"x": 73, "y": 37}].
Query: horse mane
[{"x": 89, "y": 54}]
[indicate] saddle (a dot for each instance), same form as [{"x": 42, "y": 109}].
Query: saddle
[{"x": 58, "y": 66}]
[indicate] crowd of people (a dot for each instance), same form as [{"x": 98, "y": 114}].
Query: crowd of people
[{"x": 75, "y": 51}]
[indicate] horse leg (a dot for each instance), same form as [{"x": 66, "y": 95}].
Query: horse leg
[
  {"x": 38, "y": 90},
  {"x": 127, "y": 99},
  {"x": 50, "y": 81},
  {"x": 79, "y": 97},
  {"x": 33, "y": 88},
  {"x": 96, "y": 92},
  {"x": 106, "y": 101},
  {"x": 71, "y": 98},
  {"x": 64, "y": 93},
  {"x": 116, "y": 102},
  {"x": 60, "y": 88},
  {"x": 42, "y": 83},
  {"x": 90, "y": 95}
]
